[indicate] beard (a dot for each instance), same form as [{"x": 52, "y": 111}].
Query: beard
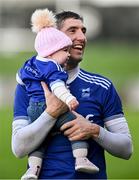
[{"x": 72, "y": 63}]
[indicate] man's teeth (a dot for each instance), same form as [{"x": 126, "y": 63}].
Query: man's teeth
[{"x": 78, "y": 46}]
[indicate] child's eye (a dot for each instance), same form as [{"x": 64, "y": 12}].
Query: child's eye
[{"x": 65, "y": 49}]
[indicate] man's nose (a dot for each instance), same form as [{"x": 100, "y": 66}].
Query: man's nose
[{"x": 81, "y": 36}]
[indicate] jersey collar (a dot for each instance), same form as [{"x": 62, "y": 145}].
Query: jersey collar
[
  {"x": 72, "y": 74},
  {"x": 39, "y": 58}
]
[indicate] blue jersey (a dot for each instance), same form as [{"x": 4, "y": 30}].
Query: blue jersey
[
  {"x": 98, "y": 102},
  {"x": 39, "y": 69}
]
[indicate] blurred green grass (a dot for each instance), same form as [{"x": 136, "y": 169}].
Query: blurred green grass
[
  {"x": 116, "y": 60},
  {"x": 10, "y": 166}
]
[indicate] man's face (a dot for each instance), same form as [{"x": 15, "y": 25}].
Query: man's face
[{"x": 76, "y": 31}]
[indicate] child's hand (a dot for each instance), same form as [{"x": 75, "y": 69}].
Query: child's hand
[{"x": 73, "y": 104}]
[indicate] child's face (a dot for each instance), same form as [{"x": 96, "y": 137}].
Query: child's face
[{"x": 61, "y": 56}]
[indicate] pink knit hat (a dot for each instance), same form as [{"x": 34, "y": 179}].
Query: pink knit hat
[{"x": 48, "y": 39}]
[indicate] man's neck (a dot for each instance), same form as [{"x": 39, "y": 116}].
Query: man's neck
[
  {"x": 71, "y": 66},
  {"x": 72, "y": 74}
]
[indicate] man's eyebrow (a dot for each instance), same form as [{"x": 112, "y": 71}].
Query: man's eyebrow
[
  {"x": 72, "y": 27},
  {"x": 75, "y": 27}
]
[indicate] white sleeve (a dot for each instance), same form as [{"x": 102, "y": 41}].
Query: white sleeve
[
  {"x": 60, "y": 90},
  {"x": 116, "y": 138},
  {"x": 27, "y": 137}
]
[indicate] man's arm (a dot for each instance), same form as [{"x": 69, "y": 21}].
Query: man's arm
[
  {"x": 115, "y": 139},
  {"x": 26, "y": 137}
]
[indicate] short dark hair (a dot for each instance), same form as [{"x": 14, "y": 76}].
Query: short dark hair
[{"x": 62, "y": 16}]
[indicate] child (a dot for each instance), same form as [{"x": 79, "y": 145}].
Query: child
[{"x": 52, "y": 47}]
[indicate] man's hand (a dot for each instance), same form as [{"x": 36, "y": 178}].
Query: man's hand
[
  {"x": 80, "y": 129},
  {"x": 55, "y": 107}
]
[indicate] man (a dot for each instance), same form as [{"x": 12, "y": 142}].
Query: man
[{"x": 99, "y": 107}]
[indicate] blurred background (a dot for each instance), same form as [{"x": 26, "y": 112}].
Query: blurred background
[{"x": 112, "y": 51}]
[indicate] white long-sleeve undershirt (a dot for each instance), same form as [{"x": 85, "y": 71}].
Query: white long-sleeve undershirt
[
  {"x": 115, "y": 139},
  {"x": 27, "y": 137}
]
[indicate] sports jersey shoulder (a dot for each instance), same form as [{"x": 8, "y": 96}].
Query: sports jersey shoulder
[
  {"x": 47, "y": 65},
  {"x": 53, "y": 71},
  {"x": 95, "y": 79},
  {"x": 21, "y": 102},
  {"x": 98, "y": 93},
  {"x": 39, "y": 69},
  {"x": 29, "y": 70}
]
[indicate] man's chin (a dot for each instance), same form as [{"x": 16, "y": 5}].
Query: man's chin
[
  {"x": 77, "y": 54},
  {"x": 75, "y": 59},
  {"x": 72, "y": 63}
]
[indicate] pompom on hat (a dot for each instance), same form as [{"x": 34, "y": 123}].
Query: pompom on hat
[{"x": 48, "y": 39}]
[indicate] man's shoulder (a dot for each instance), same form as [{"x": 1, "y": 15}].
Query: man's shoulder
[
  {"x": 94, "y": 74},
  {"x": 94, "y": 78}
]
